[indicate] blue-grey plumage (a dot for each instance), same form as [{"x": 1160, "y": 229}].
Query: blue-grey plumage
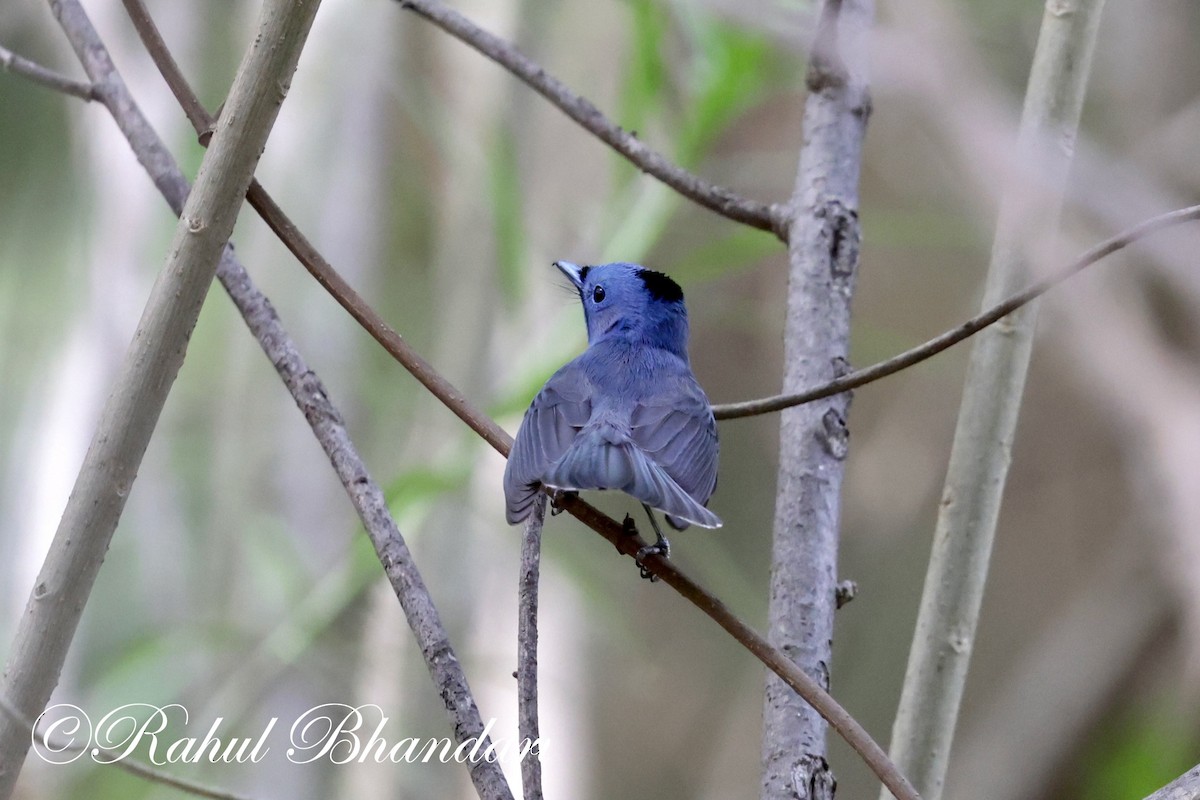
[{"x": 627, "y": 414}]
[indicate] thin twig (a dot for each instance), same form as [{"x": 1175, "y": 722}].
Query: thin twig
[
  {"x": 130, "y": 765},
  {"x": 772, "y": 218},
  {"x": 967, "y": 329},
  {"x": 527, "y": 652},
  {"x": 45, "y": 76},
  {"x": 494, "y": 435},
  {"x": 313, "y": 399}
]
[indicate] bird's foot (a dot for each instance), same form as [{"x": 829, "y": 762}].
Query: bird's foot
[
  {"x": 660, "y": 548},
  {"x": 556, "y": 501}
]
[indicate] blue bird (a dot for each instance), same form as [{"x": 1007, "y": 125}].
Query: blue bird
[{"x": 627, "y": 414}]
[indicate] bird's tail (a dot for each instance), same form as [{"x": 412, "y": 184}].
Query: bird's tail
[{"x": 597, "y": 459}]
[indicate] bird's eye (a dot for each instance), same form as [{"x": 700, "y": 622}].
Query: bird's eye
[{"x": 598, "y": 294}]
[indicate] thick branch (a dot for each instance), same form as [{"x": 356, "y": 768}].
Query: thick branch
[
  {"x": 948, "y": 339},
  {"x": 527, "y": 652},
  {"x": 151, "y": 364},
  {"x": 979, "y": 459},
  {"x": 823, "y": 255},
  {"x": 1185, "y": 787},
  {"x": 771, "y": 218}
]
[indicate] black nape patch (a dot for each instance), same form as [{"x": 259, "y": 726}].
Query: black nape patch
[
  {"x": 583, "y": 271},
  {"x": 660, "y": 286}
]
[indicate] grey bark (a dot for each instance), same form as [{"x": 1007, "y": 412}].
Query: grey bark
[
  {"x": 527, "y": 651},
  {"x": 1185, "y": 787},
  {"x": 949, "y": 611},
  {"x": 52, "y": 613},
  {"x": 823, "y": 258}
]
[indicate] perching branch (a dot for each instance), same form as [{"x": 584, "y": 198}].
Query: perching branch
[
  {"x": 765, "y": 217},
  {"x": 823, "y": 256},
  {"x": 312, "y": 398},
  {"x": 527, "y": 652},
  {"x": 946, "y": 340},
  {"x": 131, "y": 412},
  {"x": 45, "y": 77},
  {"x": 923, "y": 732}
]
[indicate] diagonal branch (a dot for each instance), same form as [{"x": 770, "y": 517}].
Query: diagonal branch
[
  {"x": 46, "y": 77},
  {"x": 487, "y": 429},
  {"x": 772, "y": 218},
  {"x": 948, "y": 339},
  {"x": 1185, "y": 787}
]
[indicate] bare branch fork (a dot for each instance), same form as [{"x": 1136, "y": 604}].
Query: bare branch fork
[{"x": 772, "y": 218}]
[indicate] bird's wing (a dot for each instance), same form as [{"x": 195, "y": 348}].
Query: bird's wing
[
  {"x": 675, "y": 427},
  {"x": 555, "y": 417}
]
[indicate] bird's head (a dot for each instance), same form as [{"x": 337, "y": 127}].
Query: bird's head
[{"x": 630, "y": 301}]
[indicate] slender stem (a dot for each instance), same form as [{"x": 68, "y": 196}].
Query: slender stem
[
  {"x": 45, "y": 77},
  {"x": 153, "y": 360},
  {"x": 967, "y": 329},
  {"x": 923, "y": 732},
  {"x": 765, "y": 217},
  {"x": 527, "y": 652},
  {"x": 823, "y": 256},
  {"x": 627, "y": 545}
]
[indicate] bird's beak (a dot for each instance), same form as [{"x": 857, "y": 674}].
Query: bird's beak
[{"x": 574, "y": 273}]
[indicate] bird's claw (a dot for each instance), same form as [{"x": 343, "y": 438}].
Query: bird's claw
[
  {"x": 556, "y": 501},
  {"x": 660, "y": 548}
]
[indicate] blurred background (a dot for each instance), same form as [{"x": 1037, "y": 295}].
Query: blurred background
[{"x": 239, "y": 583}]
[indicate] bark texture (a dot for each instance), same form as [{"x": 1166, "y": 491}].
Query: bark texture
[{"x": 823, "y": 254}]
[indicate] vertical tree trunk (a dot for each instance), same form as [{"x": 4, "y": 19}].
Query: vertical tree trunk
[
  {"x": 962, "y": 544},
  {"x": 823, "y": 259}
]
